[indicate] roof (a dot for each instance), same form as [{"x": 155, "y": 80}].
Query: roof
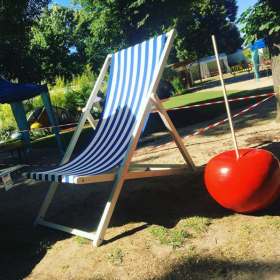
[
  {"x": 209, "y": 59},
  {"x": 11, "y": 92}
]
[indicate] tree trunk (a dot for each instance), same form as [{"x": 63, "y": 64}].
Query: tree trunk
[{"x": 274, "y": 49}]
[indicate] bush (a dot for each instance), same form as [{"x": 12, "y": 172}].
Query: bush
[
  {"x": 170, "y": 74},
  {"x": 67, "y": 95},
  {"x": 7, "y": 118},
  {"x": 177, "y": 84},
  {"x": 247, "y": 53},
  {"x": 6, "y": 132}
]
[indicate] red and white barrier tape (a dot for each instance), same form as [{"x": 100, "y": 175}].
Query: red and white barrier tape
[
  {"x": 140, "y": 152},
  {"x": 171, "y": 109},
  {"x": 217, "y": 102},
  {"x": 201, "y": 130},
  {"x": 47, "y": 127}
]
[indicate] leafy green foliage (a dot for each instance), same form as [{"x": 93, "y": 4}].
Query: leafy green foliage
[
  {"x": 247, "y": 53},
  {"x": 7, "y": 120},
  {"x": 62, "y": 41},
  {"x": 69, "y": 96},
  {"x": 118, "y": 24},
  {"x": 208, "y": 17},
  {"x": 5, "y": 132},
  {"x": 262, "y": 21},
  {"x": 16, "y": 19},
  {"x": 177, "y": 84},
  {"x": 58, "y": 40}
]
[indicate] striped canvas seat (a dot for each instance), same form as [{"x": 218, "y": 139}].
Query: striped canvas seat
[
  {"x": 134, "y": 77},
  {"x": 131, "y": 74}
]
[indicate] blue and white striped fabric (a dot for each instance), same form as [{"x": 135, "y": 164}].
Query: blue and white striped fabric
[{"x": 131, "y": 74}]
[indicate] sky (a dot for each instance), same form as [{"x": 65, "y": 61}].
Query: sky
[{"x": 242, "y": 4}]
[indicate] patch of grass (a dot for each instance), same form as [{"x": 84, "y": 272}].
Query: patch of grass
[
  {"x": 272, "y": 221},
  {"x": 192, "y": 257},
  {"x": 245, "y": 228},
  {"x": 147, "y": 247},
  {"x": 81, "y": 240},
  {"x": 64, "y": 266},
  {"x": 184, "y": 229},
  {"x": 177, "y": 237},
  {"x": 115, "y": 255},
  {"x": 174, "y": 238},
  {"x": 44, "y": 247},
  {"x": 231, "y": 217},
  {"x": 196, "y": 223},
  {"x": 159, "y": 232},
  {"x": 203, "y": 97}
]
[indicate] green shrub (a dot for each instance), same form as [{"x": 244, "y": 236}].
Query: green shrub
[
  {"x": 7, "y": 118},
  {"x": 169, "y": 74},
  {"x": 6, "y": 132},
  {"x": 177, "y": 84}
]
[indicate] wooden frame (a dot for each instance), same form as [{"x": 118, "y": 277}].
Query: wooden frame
[{"x": 126, "y": 170}]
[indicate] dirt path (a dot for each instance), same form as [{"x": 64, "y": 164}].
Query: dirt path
[
  {"x": 239, "y": 82},
  {"x": 217, "y": 243}
]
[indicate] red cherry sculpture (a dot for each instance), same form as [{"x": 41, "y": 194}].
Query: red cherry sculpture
[{"x": 246, "y": 184}]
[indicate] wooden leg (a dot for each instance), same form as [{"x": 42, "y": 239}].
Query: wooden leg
[
  {"x": 173, "y": 132},
  {"x": 108, "y": 211},
  {"x": 46, "y": 202}
]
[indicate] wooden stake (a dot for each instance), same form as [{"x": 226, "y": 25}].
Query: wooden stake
[{"x": 225, "y": 97}]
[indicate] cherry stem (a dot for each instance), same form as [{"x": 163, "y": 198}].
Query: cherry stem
[{"x": 225, "y": 97}]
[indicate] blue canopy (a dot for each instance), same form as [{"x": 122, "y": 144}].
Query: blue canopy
[
  {"x": 257, "y": 45},
  {"x": 11, "y": 92},
  {"x": 14, "y": 94}
]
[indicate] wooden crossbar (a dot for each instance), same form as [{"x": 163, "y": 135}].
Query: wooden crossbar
[
  {"x": 73, "y": 231},
  {"x": 140, "y": 171}
]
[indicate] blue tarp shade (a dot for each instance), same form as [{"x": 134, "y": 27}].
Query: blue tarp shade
[
  {"x": 11, "y": 92},
  {"x": 257, "y": 45},
  {"x": 14, "y": 94}
]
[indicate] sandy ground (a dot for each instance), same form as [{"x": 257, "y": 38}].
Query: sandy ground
[
  {"x": 233, "y": 246},
  {"x": 239, "y": 82}
]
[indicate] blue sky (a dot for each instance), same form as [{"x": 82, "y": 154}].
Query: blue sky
[{"x": 242, "y": 4}]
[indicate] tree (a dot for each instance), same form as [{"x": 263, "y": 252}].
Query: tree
[
  {"x": 263, "y": 21},
  {"x": 58, "y": 43},
  {"x": 120, "y": 23},
  {"x": 208, "y": 17},
  {"x": 117, "y": 24},
  {"x": 16, "y": 20}
]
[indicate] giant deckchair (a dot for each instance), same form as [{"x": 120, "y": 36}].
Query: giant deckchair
[{"x": 134, "y": 76}]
